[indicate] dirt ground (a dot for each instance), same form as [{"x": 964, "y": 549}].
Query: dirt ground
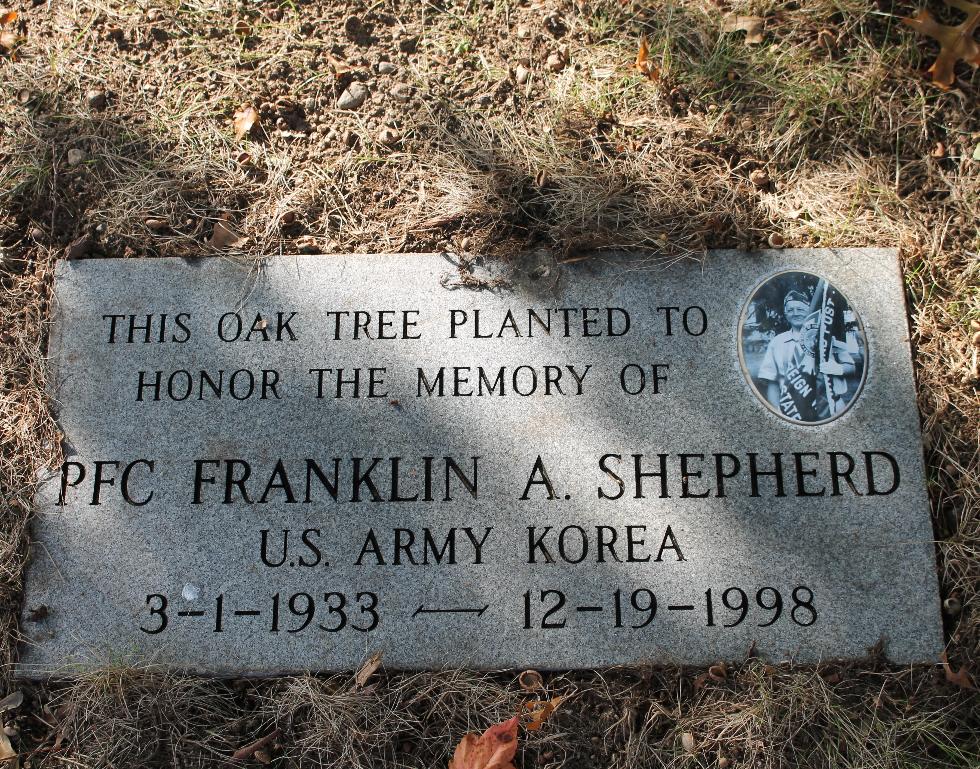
[{"x": 241, "y": 129}]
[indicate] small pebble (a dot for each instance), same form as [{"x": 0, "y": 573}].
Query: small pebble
[
  {"x": 95, "y": 99},
  {"x": 353, "y": 28},
  {"x": 759, "y": 178},
  {"x": 353, "y": 97},
  {"x": 389, "y": 137},
  {"x": 555, "y": 63},
  {"x": 522, "y": 74},
  {"x": 385, "y": 68},
  {"x": 307, "y": 244},
  {"x": 401, "y": 92}
]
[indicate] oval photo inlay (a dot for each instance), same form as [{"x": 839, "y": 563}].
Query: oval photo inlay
[{"x": 802, "y": 348}]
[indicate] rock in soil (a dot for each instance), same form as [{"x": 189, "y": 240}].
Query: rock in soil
[
  {"x": 759, "y": 178},
  {"x": 353, "y": 97},
  {"x": 389, "y": 137},
  {"x": 401, "y": 92},
  {"x": 555, "y": 63},
  {"x": 95, "y": 99},
  {"x": 357, "y": 31}
]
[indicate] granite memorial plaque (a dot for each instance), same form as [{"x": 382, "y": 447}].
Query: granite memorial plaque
[{"x": 291, "y": 466}]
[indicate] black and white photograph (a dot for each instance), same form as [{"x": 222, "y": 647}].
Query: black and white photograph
[{"x": 802, "y": 348}]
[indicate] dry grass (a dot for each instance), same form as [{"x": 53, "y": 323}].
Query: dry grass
[
  {"x": 28, "y": 436},
  {"x": 130, "y": 718},
  {"x": 399, "y": 720},
  {"x": 836, "y": 717},
  {"x": 594, "y": 156},
  {"x": 568, "y": 181},
  {"x": 776, "y": 718}
]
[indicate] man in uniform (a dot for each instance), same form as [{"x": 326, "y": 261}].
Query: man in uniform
[{"x": 805, "y": 367}]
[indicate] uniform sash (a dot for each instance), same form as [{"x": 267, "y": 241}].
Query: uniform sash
[{"x": 807, "y": 392}]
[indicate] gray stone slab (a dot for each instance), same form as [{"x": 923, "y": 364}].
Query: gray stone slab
[{"x": 825, "y": 567}]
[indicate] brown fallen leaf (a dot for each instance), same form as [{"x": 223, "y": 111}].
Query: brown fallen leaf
[
  {"x": 13, "y": 700},
  {"x": 827, "y": 40},
  {"x": 540, "y": 712},
  {"x": 367, "y": 670},
  {"x": 494, "y": 749},
  {"x": 245, "y": 120},
  {"x": 643, "y": 63},
  {"x": 831, "y": 676},
  {"x": 718, "y": 672},
  {"x": 339, "y": 66},
  {"x": 955, "y": 43},
  {"x": 224, "y": 236},
  {"x": 687, "y": 742},
  {"x": 959, "y": 677},
  {"x": 752, "y": 26},
  {"x": 8, "y": 756},
  {"x": 253, "y": 747},
  {"x": 9, "y": 39}
]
